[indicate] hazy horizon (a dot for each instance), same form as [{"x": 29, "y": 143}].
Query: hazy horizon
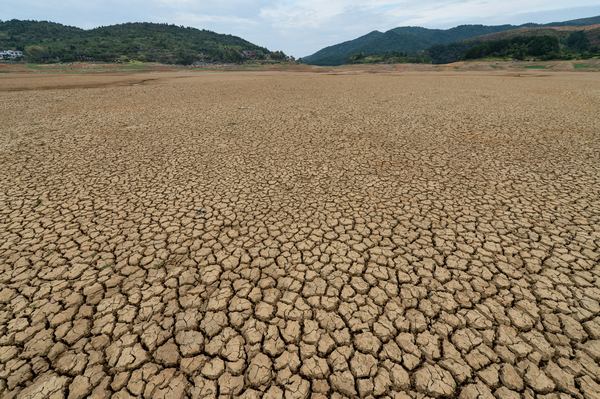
[{"x": 298, "y": 28}]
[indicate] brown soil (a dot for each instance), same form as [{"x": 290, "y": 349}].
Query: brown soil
[{"x": 351, "y": 233}]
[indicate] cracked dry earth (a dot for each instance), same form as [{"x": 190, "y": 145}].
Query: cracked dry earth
[{"x": 422, "y": 235}]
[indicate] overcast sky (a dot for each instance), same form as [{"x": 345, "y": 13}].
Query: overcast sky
[{"x": 298, "y": 27}]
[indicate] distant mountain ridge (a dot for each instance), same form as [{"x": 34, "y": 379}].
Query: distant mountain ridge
[
  {"x": 45, "y": 41},
  {"x": 411, "y": 40}
]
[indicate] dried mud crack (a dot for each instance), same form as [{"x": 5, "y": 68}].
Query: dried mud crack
[{"x": 300, "y": 235}]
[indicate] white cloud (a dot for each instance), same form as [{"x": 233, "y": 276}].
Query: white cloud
[
  {"x": 448, "y": 11},
  {"x": 316, "y": 13},
  {"x": 307, "y": 14},
  {"x": 195, "y": 19}
]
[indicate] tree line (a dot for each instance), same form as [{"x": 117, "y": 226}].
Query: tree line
[{"x": 542, "y": 47}]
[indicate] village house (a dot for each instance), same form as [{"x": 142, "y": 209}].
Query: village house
[{"x": 10, "y": 54}]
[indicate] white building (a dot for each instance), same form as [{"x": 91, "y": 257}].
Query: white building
[{"x": 10, "y": 54}]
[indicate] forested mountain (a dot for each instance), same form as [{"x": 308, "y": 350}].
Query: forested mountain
[
  {"x": 412, "y": 40},
  {"x": 149, "y": 42},
  {"x": 408, "y": 40},
  {"x": 543, "y": 43}
]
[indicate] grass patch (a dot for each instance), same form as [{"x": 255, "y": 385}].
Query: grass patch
[
  {"x": 535, "y": 67},
  {"x": 135, "y": 65},
  {"x": 582, "y": 66}
]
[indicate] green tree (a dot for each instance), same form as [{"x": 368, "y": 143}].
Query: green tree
[
  {"x": 278, "y": 55},
  {"x": 578, "y": 41},
  {"x": 356, "y": 58},
  {"x": 37, "y": 54},
  {"x": 543, "y": 46}
]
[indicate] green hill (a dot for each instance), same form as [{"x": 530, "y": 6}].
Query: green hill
[
  {"x": 543, "y": 43},
  {"x": 412, "y": 40},
  {"x": 149, "y": 42},
  {"x": 561, "y": 32}
]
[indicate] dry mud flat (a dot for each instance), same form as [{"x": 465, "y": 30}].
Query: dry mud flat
[{"x": 296, "y": 235}]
